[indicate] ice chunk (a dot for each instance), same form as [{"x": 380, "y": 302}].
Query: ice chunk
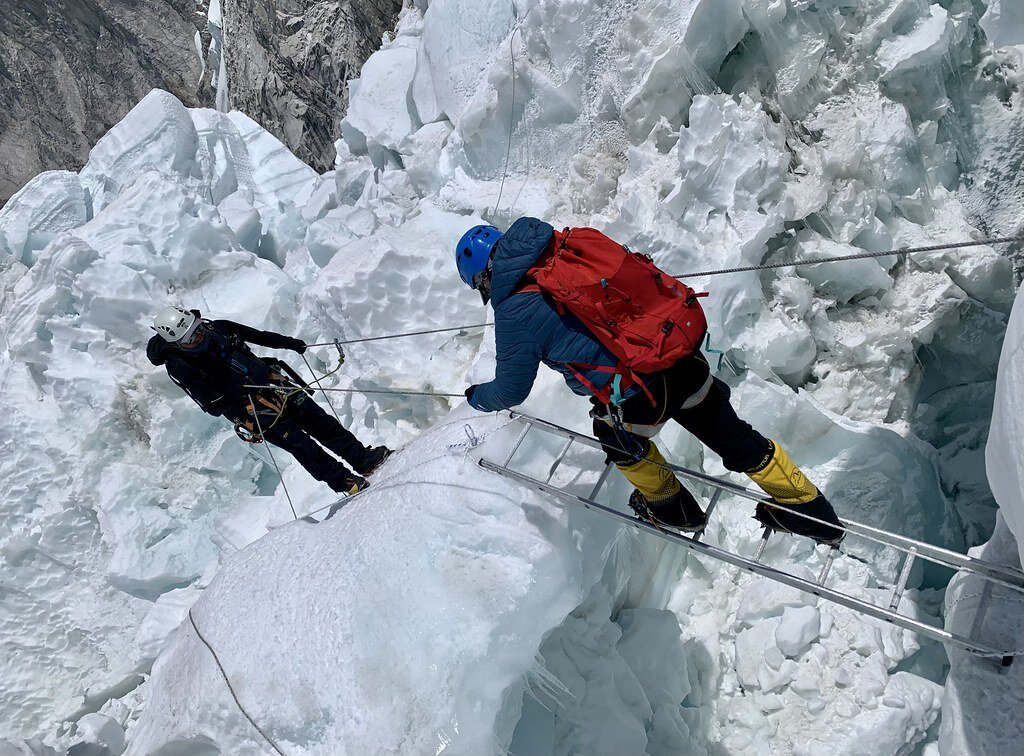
[
  {"x": 751, "y": 647},
  {"x": 1003, "y": 460},
  {"x": 843, "y": 281},
  {"x": 765, "y": 599},
  {"x": 713, "y": 27},
  {"x": 50, "y": 203},
  {"x": 923, "y": 46},
  {"x": 458, "y": 55},
  {"x": 379, "y": 107},
  {"x": 797, "y": 629},
  {"x": 279, "y": 178},
  {"x": 158, "y": 134},
  {"x": 100, "y": 732},
  {"x": 1003, "y": 22},
  {"x": 163, "y": 619},
  {"x": 421, "y": 155}
]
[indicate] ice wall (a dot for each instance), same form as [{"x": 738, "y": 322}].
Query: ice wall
[
  {"x": 405, "y": 621},
  {"x": 710, "y": 134}
]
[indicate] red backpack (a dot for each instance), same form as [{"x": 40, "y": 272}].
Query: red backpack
[{"x": 642, "y": 315}]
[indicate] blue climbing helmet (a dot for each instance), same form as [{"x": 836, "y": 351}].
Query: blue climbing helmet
[{"x": 474, "y": 251}]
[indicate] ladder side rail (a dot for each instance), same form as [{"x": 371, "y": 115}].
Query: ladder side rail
[
  {"x": 686, "y": 472},
  {"x": 1007, "y": 576},
  {"x": 850, "y": 602}
]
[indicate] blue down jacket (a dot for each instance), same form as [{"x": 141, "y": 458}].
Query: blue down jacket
[{"x": 528, "y": 329}]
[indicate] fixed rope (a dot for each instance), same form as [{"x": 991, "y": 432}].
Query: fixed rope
[
  {"x": 722, "y": 271},
  {"x": 402, "y": 335},
  {"x": 860, "y": 256},
  {"x": 270, "y": 451},
  {"x": 231, "y": 689},
  {"x": 511, "y": 120},
  {"x": 397, "y": 392}
]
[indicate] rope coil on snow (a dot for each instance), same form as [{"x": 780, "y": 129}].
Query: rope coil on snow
[{"x": 231, "y": 689}]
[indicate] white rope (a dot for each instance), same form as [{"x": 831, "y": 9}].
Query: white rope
[{"x": 259, "y": 427}]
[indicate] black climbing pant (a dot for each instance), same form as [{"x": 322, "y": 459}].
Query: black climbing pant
[
  {"x": 302, "y": 424},
  {"x": 711, "y": 418}
]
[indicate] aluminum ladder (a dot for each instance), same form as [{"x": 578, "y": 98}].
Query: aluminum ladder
[{"x": 912, "y": 550}]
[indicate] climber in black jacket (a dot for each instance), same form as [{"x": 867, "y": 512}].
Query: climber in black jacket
[{"x": 212, "y": 362}]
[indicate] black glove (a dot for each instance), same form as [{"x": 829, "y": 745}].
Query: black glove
[
  {"x": 297, "y": 345},
  {"x": 469, "y": 393}
]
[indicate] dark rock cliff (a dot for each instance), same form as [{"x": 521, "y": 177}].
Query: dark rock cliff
[
  {"x": 71, "y": 69},
  {"x": 288, "y": 61}
]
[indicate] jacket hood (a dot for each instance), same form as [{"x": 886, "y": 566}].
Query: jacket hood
[{"x": 516, "y": 252}]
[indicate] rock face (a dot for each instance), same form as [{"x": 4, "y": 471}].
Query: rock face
[
  {"x": 71, "y": 69},
  {"x": 288, "y": 61}
]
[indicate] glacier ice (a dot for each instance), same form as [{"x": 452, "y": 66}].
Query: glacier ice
[{"x": 709, "y": 133}]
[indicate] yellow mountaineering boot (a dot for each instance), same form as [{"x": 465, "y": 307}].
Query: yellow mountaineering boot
[
  {"x": 659, "y": 495},
  {"x": 793, "y": 495}
]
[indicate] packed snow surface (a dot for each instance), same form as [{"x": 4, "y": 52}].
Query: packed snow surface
[{"x": 446, "y": 610}]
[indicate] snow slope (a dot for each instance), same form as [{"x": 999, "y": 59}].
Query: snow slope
[{"x": 710, "y": 133}]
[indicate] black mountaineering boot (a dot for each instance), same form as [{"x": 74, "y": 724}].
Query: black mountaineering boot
[
  {"x": 374, "y": 458},
  {"x": 786, "y": 518},
  {"x": 349, "y": 484},
  {"x": 680, "y": 511}
]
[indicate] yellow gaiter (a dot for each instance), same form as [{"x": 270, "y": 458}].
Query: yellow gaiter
[
  {"x": 781, "y": 479},
  {"x": 654, "y": 482}
]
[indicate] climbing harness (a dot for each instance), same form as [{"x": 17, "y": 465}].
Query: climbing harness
[
  {"x": 270, "y": 451},
  {"x": 911, "y": 549}
]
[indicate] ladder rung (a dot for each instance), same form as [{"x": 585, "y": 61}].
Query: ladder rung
[
  {"x": 827, "y": 567},
  {"x": 1008, "y": 576},
  {"x": 559, "y": 458},
  {"x": 897, "y": 591},
  {"x": 601, "y": 480},
  {"x": 761, "y": 546},
  {"x": 707, "y": 512},
  {"x": 518, "y": 443},
  {"x": 866, "y": 608},
  {"x": 979, "y": 614}
]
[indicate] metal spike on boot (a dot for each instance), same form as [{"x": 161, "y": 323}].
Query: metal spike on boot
[
  {"x": 680, "y": 511},
  {"x": 786, "y": 518}
]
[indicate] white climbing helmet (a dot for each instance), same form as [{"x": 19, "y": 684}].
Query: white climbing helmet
[{"x": 175, "y": 324}]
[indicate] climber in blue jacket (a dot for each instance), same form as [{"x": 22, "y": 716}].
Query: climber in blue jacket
[{"x": 530, "y": 330}]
